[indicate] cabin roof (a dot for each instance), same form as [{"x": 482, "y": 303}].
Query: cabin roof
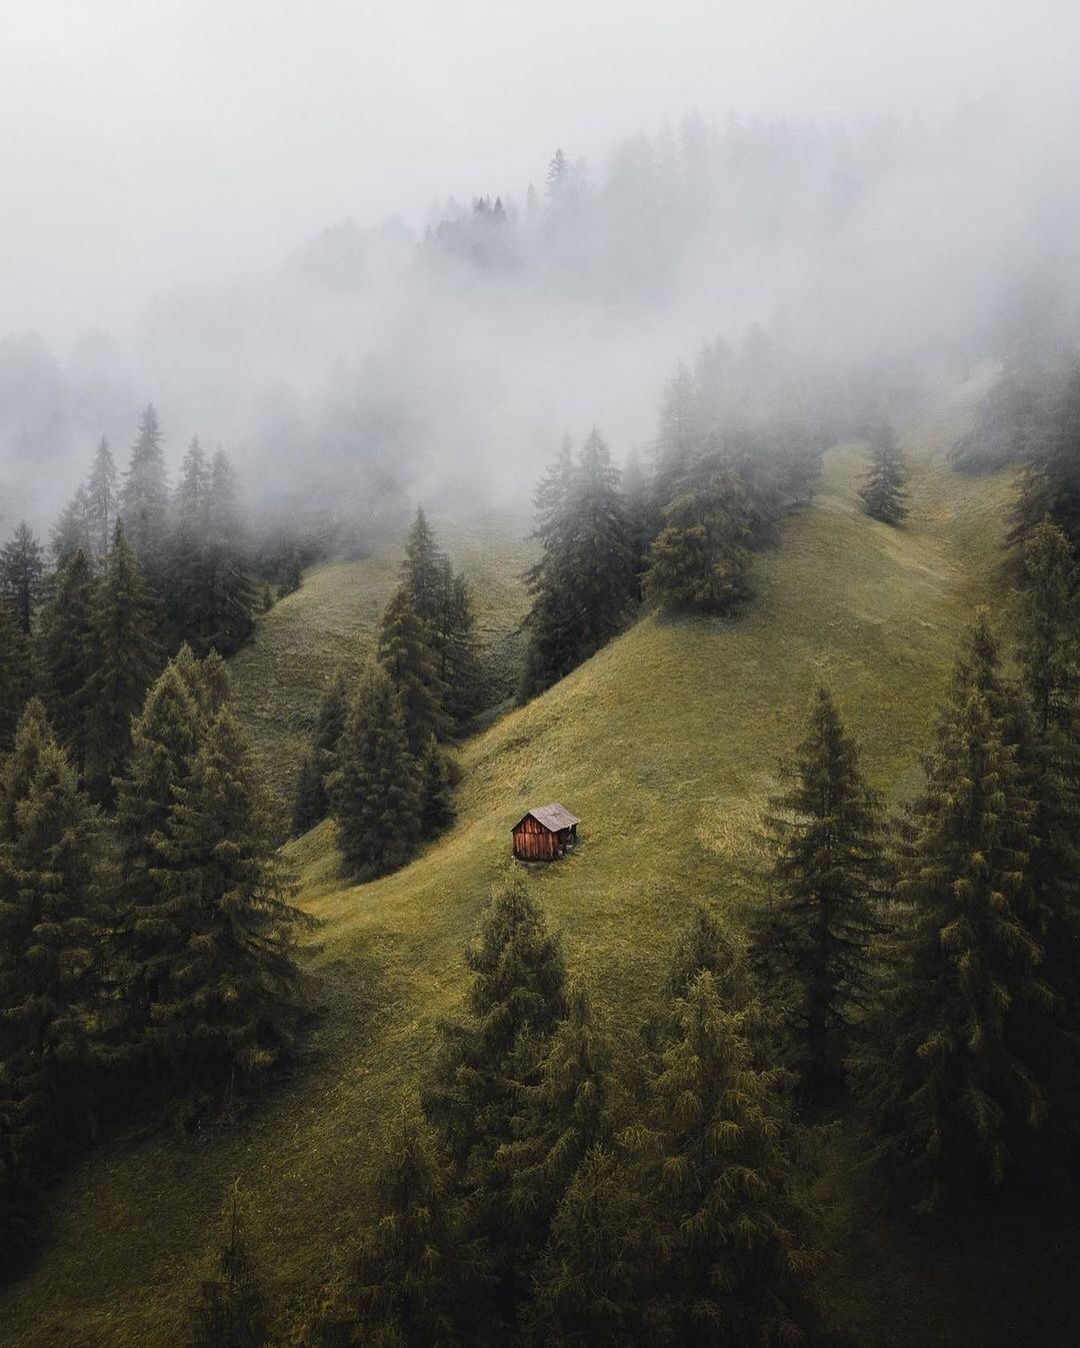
[{"x": 553, "y": 817}]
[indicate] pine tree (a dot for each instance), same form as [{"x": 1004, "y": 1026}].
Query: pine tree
[
  {"x": 405, "y": 652},
  {"x": 22, "y": 569},
  {"x": 883, "y": 493},
  {"x": 144, "y": 501},
  {"x": 700, "y": 559},
  {"x": 15, "y": 676},
  {"x": 814, "y": 938},
  {"x": 229, "y": 1006},
  {"x": 72, "y": 532},
  {"x": 102, "y": 500},
  {"x": 51, "y": 872},
  {"x": 413, "y": 1269},
  {"x": 233, "y": 1310},
  {"x": 228, "y": 620},
  {"x": 1050, "y": 485},
  {"x": 124, "y": 637},
  {"x": 680, "y": 434},
  {"x": 955, "y": 1099},
  {"x": 436, "y": 772},
  {"x": 1047, "y": 616},
  {"x": 730, "y": 1262},
  {"x": 68, "y": 657},
  {"x": 375, "y": 791},
  {"x": 590, "y": 1283},
  {"x": 311, "y": 802},
  {"x": 486, "y": 1061}
]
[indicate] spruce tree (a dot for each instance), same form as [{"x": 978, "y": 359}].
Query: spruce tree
[
  {"x": 144, "y": 500},
  {"x": 15, "y": 676},
  {"x": 1047, "y": 622},
  {"x": 405, "y": 651},
  {"x": 375, "y": 789},
  {"x": 228, "y": 1008},
  {"x": 102, "y": 500},
  {"x": 949, "y": 1077},
  {"x": 730, "y": 1261},
  {"x": 72, "y": 531},
  {"x": 700, "y": 559},
  {"x": 227, "y": 621},
  {"x": 233, "y": 1310},
  {"x": 51, "y": 874},
  {"x": 68, "y": 656},
  {"x": 22, "y": 570},
  {"x": 813, "y": 938},
  {"x": 1050, "y": 486},
  {"x": 411, "y": 1275},
  {"x": 127, "y": 655},
  {"x": 311, "y": 802},
  {"x": 883, "y": 493}
]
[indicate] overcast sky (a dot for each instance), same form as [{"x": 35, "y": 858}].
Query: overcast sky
[{"x": 147, "y": 142}]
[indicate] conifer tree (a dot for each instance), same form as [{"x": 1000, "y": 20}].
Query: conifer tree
[
  {"x": 591, "y": 1282},
  {"x": 51, "y": 870},
  {"x": 71, "y": 532},
  {"x": 228, "y": 621},
  {"x": 1047, "y": 617},
  {"x": 22, "y": 569},
  {"x": 375, "y": 790},
  {"x": 947, "y": 1077},
  {"x": 560, "y": 1118},
  {"x": 1050, "y": 486},
  {"x": 680, "y": 434},
  {"x": 700, "y": 559},
  {"x": 233, "y": 1309},
  {"x": 127, "y": 654},
  {"x": 102, "y": 500},
  {"x": 436, "y": 772},
  {"x": 813, "y": 938},
  {"x": 731, "y": 1266},
  {"x": 144, "y": 500},
  {"x": 412, "y": 1272},
  {"x": 883, "y": 493},
  {"x": 229, "y": 1006},
  {"x": 405, "y": 652},
  {"x": 486, "y": 1061},
  {"x": 15, "y": 676},
  {"x": 68, "y": 657},
  {"x": 311, "y": 802}
]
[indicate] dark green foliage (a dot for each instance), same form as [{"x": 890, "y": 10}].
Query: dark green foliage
[
  {"x": 72, "y": 531},
  {"x": 227, "y": 1008},
  {"x": 15, "y": 676},
  {"x": 290, "y": 574},
  {"x": 592, "y": 1281},
  {"x": 406, "y": 652},
  {"x": 731, "y": 1266},
  {"x": 437, "y": 776},
  {"x": 51, "y": 878},
  {"x": 414, "y": 1268},
  {"x": 127, "y": 655},
  {"x": 700, "y": 559},
  {"x": 585, "y": 582},
  {"x": 948, "y": 1082},
  {"x": 144, "y": 500},
  {"x": 883, "y": 493},
  {"x": 1047, "y": 625},
  {"x": 375, "y": 789},
  {"x": 22, "y": 569},
  {"x": 311, "y": 802},
  {"x": 813, "y": 938},
  {"x": 68, "y": 656},
  {"x": 233, "y": 1310},
  {"x": 309, "y": 797}
]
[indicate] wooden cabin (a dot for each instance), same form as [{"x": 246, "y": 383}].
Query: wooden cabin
[{"x": 545, "y": 833}]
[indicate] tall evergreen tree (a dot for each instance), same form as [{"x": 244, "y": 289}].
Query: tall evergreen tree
[
  {"x": 1047, "y": 621},
  {"x": 700, "y": 559},
  {"x": 1050, "y": 486},
  {"x": 311, "y": 802},
  {"x": 229, "y": 1006},
  {"x": 375, "y": 790},
  {"x": 22, "y": 571},
  {"x": 15, "y": 676},
  {"x": 813, "y": 938},
  {"x": 51, "y": 870},
  {"x": 883, "y": 493},
  {"x": 127, "y": 654},
  {"x": 405, "y": 651},
  {"x": 68, "y": 657},
  {"x": 948, "y": 1079},
  {"x": 72, "y": 531},
  {"x": 144, "y": 500},
  {"x": 102, "y": 500},
  {"x": 233, "y": 1309}
]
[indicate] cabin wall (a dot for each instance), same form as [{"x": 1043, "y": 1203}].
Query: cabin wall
[{"x": 533, "y": 842}]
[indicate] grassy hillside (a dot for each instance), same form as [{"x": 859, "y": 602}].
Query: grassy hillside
[
  {"x": 330, "y": 623},
  {"x": 667, "y": 745}
]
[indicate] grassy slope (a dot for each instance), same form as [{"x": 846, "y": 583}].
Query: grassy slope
[{"x": 666, "y": 744}]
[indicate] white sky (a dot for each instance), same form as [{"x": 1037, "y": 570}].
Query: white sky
[{"x": 146, "y": 142}]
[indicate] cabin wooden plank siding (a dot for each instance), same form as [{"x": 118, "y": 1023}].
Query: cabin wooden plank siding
[{"x": 545, "y": 833}]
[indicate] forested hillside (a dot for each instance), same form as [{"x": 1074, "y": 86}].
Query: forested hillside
[{"x": 667, "y": 744}]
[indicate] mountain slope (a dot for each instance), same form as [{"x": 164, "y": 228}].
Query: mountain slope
[{"x": 667, "y": 745}]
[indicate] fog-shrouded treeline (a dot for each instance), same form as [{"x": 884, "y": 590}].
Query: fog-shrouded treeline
[{"x": 378, "y": 364}]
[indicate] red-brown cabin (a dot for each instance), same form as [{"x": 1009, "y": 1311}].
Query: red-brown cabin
[{"x": 545, "y": 834}]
